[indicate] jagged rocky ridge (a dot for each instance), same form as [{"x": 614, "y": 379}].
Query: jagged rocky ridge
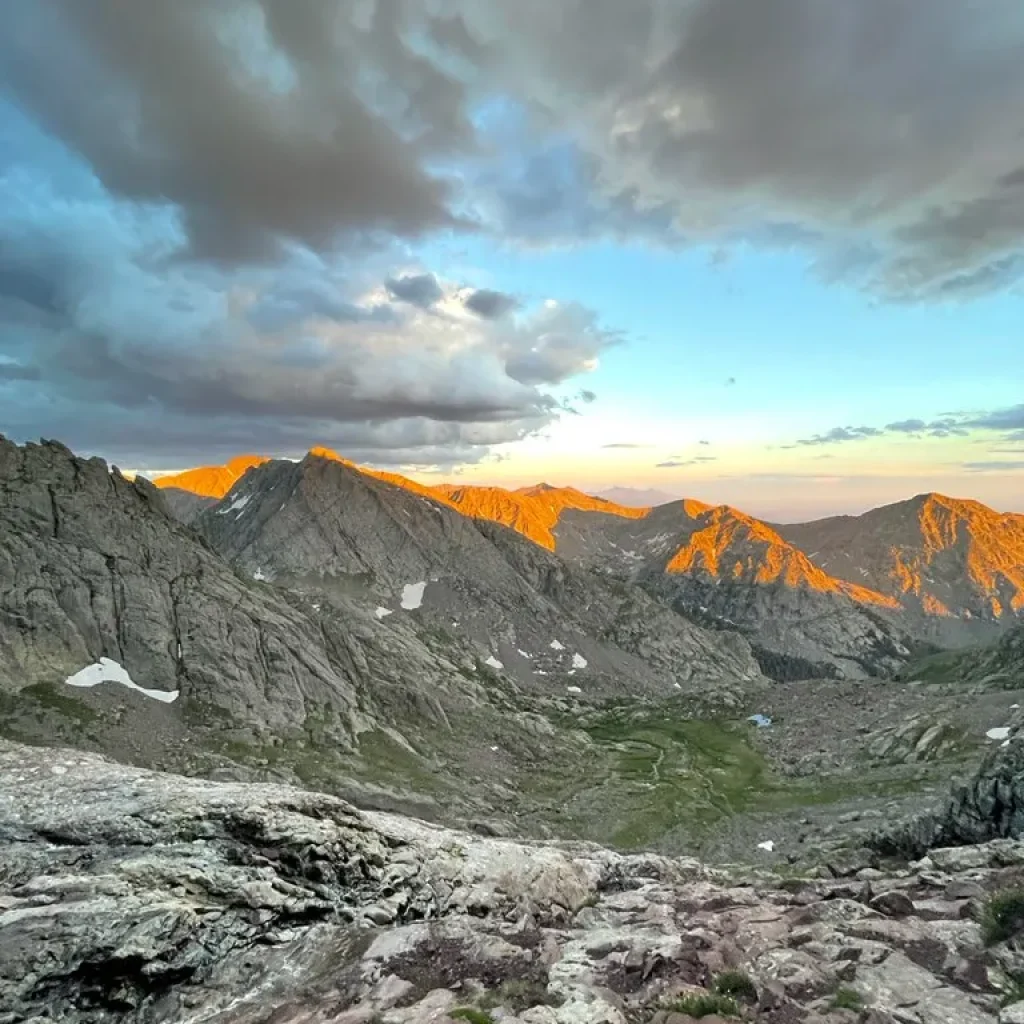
[
  {"x": 128, "y": 895},
  {"x": 321, "y": 525},
  {"x": 846, "y": 596}
]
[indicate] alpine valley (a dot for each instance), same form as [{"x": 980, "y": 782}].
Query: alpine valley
[{"x": 334, "y": 745}]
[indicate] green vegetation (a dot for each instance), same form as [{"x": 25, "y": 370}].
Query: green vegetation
[
  {"x": 47, "y": 695},
  {"x": 847, "y": 999},
  {"x": 1012, "y": 989},
  {"x": 1002, "y": 917},
  {"x": 704, "y": 1004},
  {"x": 471, "y": 1014},
  {"x": 518, "y": 995},
  {"x": 736, "y": 984}
]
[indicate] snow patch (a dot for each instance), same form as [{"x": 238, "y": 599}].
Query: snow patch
[
  {"x": 258, "y": 575},
  {"x": 236, "y": 506},
  {"x": 412, "y": 595},
  {"x": 761, "y": 721},
  {"x": 556, "y": 645},
  {"x": 382, "y": 613},
  {"x": 768, "y": 846},
  {"x": 493, "y": 661},
  {"x": 107, "y": 671},
  {"x": 522, "y": 653},
  {"x": 1001, "y": 733},
  {"x": 574, "y": 689},
  {"x": 578, "y": 661}
]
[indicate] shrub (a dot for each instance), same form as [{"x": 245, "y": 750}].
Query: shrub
[
  {"x": 703, "y": 1004},
  {"x": 736, "y": 984},
  {"x": 471, "y": 1014},
  {"x": 847, "y": 999},
  {"x": 1002, "y": 917},
  {"x": 518, "y": 995}
]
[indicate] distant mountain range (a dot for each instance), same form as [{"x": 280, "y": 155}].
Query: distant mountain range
[
  {"x": 637, "y": 497},
  {"x": 846, "y": 595}
]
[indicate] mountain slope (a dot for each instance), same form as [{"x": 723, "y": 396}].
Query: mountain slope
[
  {"x": 93, "y": 566},
  {"x": 955, "y": 566},
  {"x": 230, "y": 674},
  {"x": 727, "y": 569},
  {"x": 532, "y": 511},
  {"x": 326, "y": 527},
  {"x": 211, "y": 481}
]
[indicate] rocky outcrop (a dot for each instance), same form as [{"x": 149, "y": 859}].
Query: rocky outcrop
[
  {"x": 989, "y": 805},
  {"x": 128, "y": 895},
  {"x": 93, "y": 566},
  {"x": 185, "y": 505}
]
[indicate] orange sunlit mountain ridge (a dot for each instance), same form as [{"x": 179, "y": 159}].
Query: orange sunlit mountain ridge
[{"x": 933, "y": 555}]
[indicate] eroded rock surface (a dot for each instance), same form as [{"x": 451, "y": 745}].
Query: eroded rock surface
[{"x": 129, "y": 895}]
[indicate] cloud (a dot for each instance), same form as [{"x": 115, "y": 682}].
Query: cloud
[
  {"x": 1011, "y": 418},
  {"x": 675, "y": 463},
  {"x": 728, "y": 122},
  {"x": 1006, "y": 422},
  {"x": 839, "y": 434},
  {"x": 420, "y": 290},
  {"x": 947, "y": 426},
  {"x": 730, "y": 381},
  {"x": 994, "y": 466},
  {"x": 626, "y": 444},
  {"x": 704, "y": 442},
  {"x": 257, "y": 120},
  {"x": 120, "y": 346},
  {"x": 12, "y": 371},
  {"x": 263, "y": 124},
  {"x": 555, "y": 342},
  {"x": 490, "y": 304}
]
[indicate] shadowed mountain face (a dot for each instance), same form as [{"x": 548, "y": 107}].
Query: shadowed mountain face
[{"x": 323, "y": 526}]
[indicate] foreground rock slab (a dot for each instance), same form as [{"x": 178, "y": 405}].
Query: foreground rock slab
[{"x": 130, "y": 895}]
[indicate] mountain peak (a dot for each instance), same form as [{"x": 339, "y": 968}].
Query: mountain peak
[
  {"x": 211, "y": 481},
  {"x": 320, "y": 452}
]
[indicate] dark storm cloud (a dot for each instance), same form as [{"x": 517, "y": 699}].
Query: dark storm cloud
[
  {"x": 878, "y": 145},
  {"x": 417, "y": 289},
  {"x": 247, "y": 115},
  {"x": 11, "y": 371},
  {"x": 490, "y": 304}
]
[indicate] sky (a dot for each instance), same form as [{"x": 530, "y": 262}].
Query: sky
[{"x": 770, "y": 255}]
